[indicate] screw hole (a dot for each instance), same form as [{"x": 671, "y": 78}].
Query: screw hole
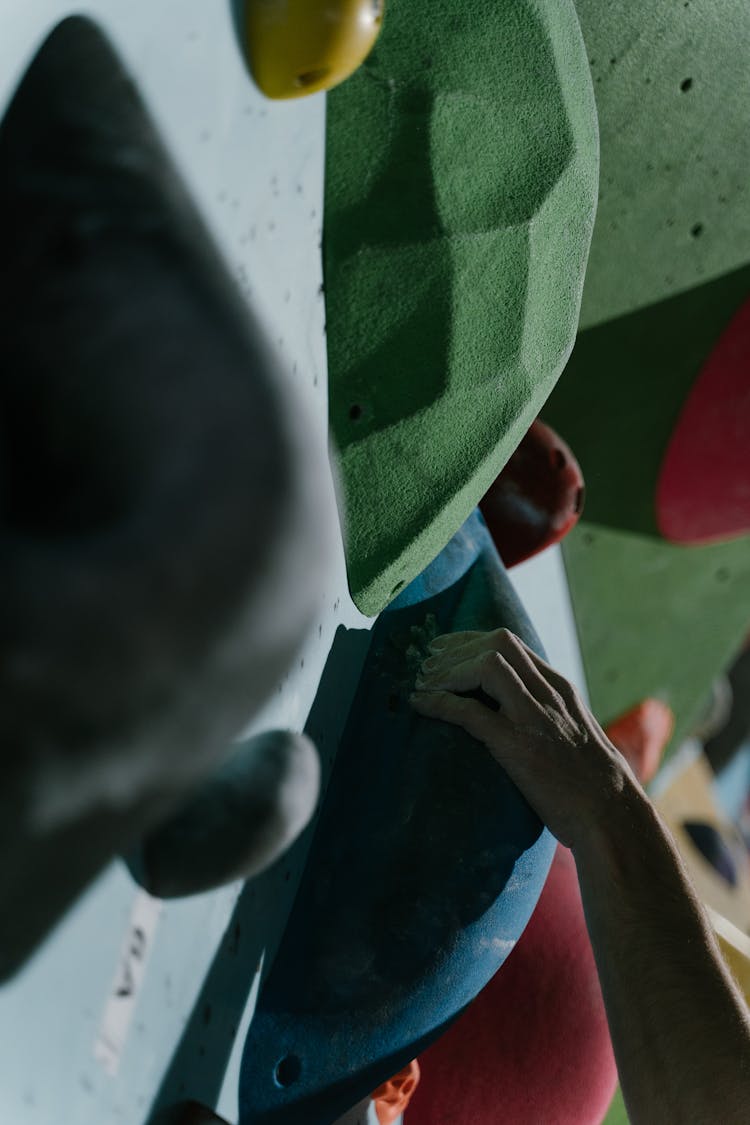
[
  {"x": 287, "y": 1071},
  {"x": 310, "y": 77},
  {"x": 686, "y": 84},
  {"x": 355, "y": 412},
  {"x": 697, "y": 230}
]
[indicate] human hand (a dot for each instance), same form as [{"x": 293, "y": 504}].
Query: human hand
[{"x": 544, "y": 736}]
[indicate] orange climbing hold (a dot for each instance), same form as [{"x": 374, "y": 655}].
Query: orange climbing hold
[
  {"x": 641, "y": 735},
  {"x": 392, "y": 1098}
]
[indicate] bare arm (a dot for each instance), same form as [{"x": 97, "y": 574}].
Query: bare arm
[{"x": 680, "y": 1027}]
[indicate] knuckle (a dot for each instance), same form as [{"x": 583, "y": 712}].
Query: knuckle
[
  {"x": 463, "y": 707},
  {"x": 569, "y": 695},
  {"x": 557, "y": 702}
]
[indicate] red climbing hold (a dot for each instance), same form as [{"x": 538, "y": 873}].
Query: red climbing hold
[
  {"x": 703, "y": 492},
  {"x": 536, "y": 499}
]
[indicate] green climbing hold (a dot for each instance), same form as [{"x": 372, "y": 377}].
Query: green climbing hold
[{"x": 461, "y": 179}]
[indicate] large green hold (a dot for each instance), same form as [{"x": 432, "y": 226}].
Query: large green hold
[{"x": 461, "y": 179}]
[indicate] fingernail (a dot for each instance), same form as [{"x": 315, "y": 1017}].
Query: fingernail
[
  {"x": 430, "y": 664},
  {"x": 437, "y": 644}
]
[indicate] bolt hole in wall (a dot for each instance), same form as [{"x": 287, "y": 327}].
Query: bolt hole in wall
[
  {"x": 686, "y": 84},
  {"x": 288, "y": 1071},
  {"x": 355, "y": 412},
  {"x": 310, "y": 77}
]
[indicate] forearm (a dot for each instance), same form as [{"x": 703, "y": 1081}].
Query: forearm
[{"x": 680, "y": 1028}]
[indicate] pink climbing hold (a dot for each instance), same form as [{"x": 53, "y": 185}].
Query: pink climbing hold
[{"x": 703, "y": 491}]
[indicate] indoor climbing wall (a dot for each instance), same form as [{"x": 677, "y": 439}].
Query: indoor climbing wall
[{"x": 403, "y": 265}]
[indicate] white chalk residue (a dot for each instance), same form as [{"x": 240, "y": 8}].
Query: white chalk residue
[{"x": 497, "y": 945}]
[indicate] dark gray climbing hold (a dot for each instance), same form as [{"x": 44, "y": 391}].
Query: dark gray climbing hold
[
  {"x": 713, "y": 848},
  {"x": 239, "y": 821},
  {"x": 162, "y": 503}
]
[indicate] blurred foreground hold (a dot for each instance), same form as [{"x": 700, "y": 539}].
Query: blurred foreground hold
[
  {"x": 298, "y": 47},
  {"x": 165, "y": 528},
  {"x": 241, "y": 819}
]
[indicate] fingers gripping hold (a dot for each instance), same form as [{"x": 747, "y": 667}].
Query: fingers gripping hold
[
  {"x": 470, "y": 714},
  {"x": 453, "y": 641},
  {"x": 459, "y": 648},
  {"x": 488, "y": 670},
  {"x": 555, "y": 678},
  {"x": 530, "y": 669},
  {"x": 499, "y": 679}
]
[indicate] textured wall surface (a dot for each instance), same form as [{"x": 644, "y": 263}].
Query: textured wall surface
[
  {"x": 460, "y": 183},
  {"x": 672, "y": 83}
]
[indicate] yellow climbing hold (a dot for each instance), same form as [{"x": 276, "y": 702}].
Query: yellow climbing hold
[{"x": 298, "y": 47}]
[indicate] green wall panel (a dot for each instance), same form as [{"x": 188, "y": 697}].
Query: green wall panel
[
  {"x": 672, "y": 85},
  {"x": 617, "y": 1114},
  {"x": 655, "y": 619}
]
